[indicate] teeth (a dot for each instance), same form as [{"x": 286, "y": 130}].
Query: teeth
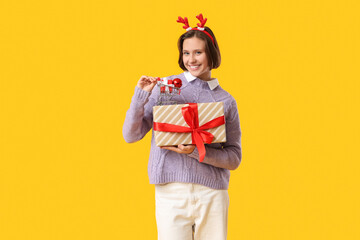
[{"x": 193, "y": 67}]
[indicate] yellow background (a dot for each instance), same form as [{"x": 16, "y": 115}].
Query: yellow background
[{"x": 68, "y": 70}]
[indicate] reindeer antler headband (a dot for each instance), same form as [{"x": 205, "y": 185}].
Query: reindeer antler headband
[{"x": 201, "y": 25}]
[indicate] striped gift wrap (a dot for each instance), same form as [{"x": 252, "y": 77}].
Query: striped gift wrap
[{"x": 172, "y": 114}]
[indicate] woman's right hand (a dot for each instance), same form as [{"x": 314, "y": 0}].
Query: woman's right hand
[{"x": 147, "y": 83}]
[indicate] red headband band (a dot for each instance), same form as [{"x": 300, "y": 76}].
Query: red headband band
[{"x": 200, "y": 25}]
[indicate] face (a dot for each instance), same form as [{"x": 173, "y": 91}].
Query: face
[{"x": 195, "y": 59}]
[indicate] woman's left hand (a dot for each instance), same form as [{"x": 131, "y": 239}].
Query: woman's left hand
[{"x": 185, "y": 149}]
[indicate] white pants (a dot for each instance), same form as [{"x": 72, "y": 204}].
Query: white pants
[{"x": 186, "y": 211}]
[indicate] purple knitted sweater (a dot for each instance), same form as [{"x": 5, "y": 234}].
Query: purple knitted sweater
[{"x": 168, "y": 166}]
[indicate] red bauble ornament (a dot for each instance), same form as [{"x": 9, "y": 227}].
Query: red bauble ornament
[{"x": 177, "y": 83}]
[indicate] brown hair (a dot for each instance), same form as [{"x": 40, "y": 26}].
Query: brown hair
[{"x": 211, "y": 48}]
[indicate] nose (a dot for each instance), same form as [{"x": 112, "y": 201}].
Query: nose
[{"x": 192, "y": 58}]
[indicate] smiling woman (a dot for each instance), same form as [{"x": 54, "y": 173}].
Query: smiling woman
[{"x": 197, "y": 174}]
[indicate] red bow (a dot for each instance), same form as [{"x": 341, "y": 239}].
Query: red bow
[{"x": 199, "y": 136}]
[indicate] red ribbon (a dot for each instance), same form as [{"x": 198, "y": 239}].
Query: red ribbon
[{"x": 198, "y": 135}]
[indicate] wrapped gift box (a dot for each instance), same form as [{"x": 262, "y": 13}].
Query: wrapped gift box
[{"x": 205, "y": 113}]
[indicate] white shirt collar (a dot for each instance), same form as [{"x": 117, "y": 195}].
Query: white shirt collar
[{"x": 212, "y": 83}]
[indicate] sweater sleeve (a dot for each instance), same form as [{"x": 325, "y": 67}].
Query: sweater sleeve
[
  {"x": 139, "y": 119},
  {"x": 229, "y": 156}
]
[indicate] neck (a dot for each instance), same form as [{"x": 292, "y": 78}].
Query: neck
[{"x": 206, "y": 77}]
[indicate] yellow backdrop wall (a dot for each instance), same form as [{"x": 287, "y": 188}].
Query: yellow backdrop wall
[{"x": 68, "y": 70}]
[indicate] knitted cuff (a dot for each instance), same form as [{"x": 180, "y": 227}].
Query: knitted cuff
[
  {"x": 194, "y": 154},
  {"x": 140, "y": 94}
]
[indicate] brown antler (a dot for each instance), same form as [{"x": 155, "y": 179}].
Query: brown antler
[
  {"x": 202, "y": 20},
  {"x": 184, "y": 21}
]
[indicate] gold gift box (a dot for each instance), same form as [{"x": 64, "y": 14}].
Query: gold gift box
[{"x": 172, "y": 114}]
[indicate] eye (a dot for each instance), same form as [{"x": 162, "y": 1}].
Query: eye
[
  {"x": 198, "y": 52},
  {"x": 185, "y": 53}
]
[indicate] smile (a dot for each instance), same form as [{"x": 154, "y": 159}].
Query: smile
[{"x": 194, "y": 67}]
